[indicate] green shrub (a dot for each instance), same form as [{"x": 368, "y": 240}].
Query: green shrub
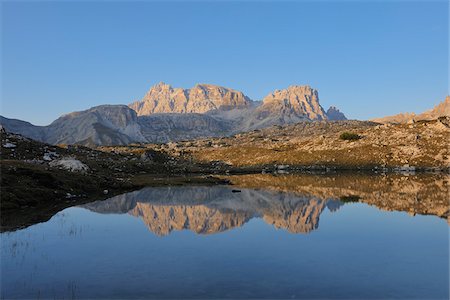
[{"x": 349, "y": 136}]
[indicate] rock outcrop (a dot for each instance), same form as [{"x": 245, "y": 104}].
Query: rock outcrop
[{"x": 440, "y": 110}]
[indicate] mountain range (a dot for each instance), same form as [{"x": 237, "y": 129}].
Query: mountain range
[{"x": 171, "y": 114}]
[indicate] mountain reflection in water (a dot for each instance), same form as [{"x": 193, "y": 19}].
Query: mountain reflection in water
[
  {"x": 290, "y": 202},
  {"x": 207, "y": 210},
  {"x": 220, "y": 244}
]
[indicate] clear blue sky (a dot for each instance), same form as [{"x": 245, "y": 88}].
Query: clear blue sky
[{"x": 368, "y": 58}]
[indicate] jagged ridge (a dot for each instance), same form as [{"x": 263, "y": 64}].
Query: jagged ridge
[{"x": 172, "y": 114}]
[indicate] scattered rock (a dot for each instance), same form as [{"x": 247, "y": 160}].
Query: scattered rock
[{"x": 70, "y": 164}]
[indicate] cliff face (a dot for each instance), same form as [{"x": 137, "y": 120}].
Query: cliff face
[
  {"x": 163, "y": 98},
  {"x": 299, "y": 101},
  {"x": 287, "y": 106}
]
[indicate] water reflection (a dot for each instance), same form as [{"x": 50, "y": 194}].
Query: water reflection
[
  {"x": 425, "y": 194},
  {"x": 207, "y": 210},
  {"x": 220, "y": 243},
  {"x": 290, "y": 202}
]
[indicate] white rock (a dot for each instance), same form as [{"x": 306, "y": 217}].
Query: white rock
[
  {"x": 9, "y": 145},
  {"x": 49, "y": 156},
  {"x": 70, "y": 164}
]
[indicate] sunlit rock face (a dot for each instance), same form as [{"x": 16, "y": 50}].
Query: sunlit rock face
[
  {"x": 287, "y": 106},
  {"x": 206, "y": 210},
  {"x": 235, "y": 111},
  {"x": 163, "y": 98},
  {"x": 296, "y": 100},
  {"x": 440, "y": 110}
]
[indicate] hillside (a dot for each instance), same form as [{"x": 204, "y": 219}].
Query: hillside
[
  {"x": 38, "y": 179},
  {"x": 318, "y": 145},
  {"x": 440, "y": 110}
]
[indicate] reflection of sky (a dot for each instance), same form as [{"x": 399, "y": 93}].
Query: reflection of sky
[{"x": 358, "y": 251}]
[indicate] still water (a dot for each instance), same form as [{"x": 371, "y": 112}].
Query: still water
[{"x": 322, "y": 239}]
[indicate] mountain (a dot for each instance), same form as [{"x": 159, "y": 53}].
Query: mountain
[
  {"x": 163, "y": 98},
  {"x": 334, "y": 114},
  {"x": 287, "y": 106},
  {"x": 300, "y": 102},
  {"x": 24, "y": 128},
  {"x": 105, "y": 124},
  {"x": 440, "y": 110},
  {"x": 100, "y": 125},
  {"x": 172, "y": 114}
]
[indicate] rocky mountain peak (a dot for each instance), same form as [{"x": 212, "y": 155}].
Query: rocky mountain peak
[
  {"x": 298, "y": 100},
  {"x": 334, "y": 114},
  {"x": 163, "y": 98},
  {"x": 440, "y": 110},
  {"x": 161, "y": 86}
]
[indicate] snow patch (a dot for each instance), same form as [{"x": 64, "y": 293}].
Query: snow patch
[{"x": 70, "y": 164}]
